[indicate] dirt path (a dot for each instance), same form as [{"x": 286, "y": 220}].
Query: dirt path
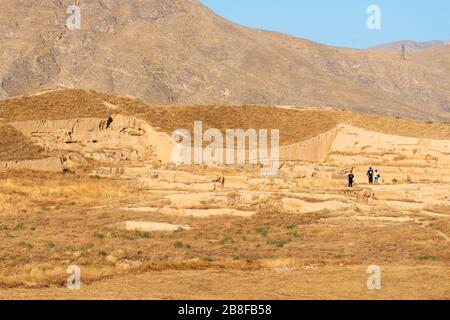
[{"x": 405, "y": 282}]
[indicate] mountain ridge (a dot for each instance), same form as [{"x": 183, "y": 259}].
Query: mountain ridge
[
  {"x": 180, "y": 52},
  {"x": 410, "y": 45}
]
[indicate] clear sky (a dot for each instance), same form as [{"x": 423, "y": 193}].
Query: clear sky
[{"x": 342, "y": 22}]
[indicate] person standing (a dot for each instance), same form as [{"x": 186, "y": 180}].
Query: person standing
[
  {"x": 370, "y": 175},
  {"x": 376, "y": 177},
  {"x": 351, "y": 178}
]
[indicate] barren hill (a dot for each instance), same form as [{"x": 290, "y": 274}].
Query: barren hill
[
  {"x": 411, "y": 45},
  {"x": 50, "y": 118},
  {"x": 180, "y": 52}
]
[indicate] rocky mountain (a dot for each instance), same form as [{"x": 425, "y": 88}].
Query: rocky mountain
[
  {"x": 411, "y": 45},
  {"x": 180, "y": 52}
]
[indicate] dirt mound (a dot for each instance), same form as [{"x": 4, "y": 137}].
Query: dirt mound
[
  {"x": 16, "y": 146},
  {"x": 296, "y": 124},
  {"x": 77, "y": 120},
  {"x": 59, "y": 104}
]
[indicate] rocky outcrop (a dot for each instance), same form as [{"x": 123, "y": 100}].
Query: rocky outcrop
[{"x": 114, "y": 138}]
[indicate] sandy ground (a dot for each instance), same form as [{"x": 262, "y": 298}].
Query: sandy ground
[{"x": 347, "y": 282}]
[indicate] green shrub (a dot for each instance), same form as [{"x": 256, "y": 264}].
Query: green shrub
[
  {"x": 26, "y": 245},
  {"x": 178, "y": 244},
  {"x": 278, "y": 243}
]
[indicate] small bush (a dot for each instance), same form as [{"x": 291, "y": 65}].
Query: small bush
[
  {"x": 99, "y": 235},
  {"x": 102, "y": 253},
  {"x": 26, "y": 245},
  {"x": 49, "y": 245},
  {"x": 137, "y": 235},
  {"x": 178, "y": 244},
  {"x": 19, "y": 226},
  {"x": 199, "y": 236},
  {"x": 226, "y": 240},
  {"x": 424, "y": 257},
  {"x": 144, "y": 235},
  {"x": 277, "y": 243}
]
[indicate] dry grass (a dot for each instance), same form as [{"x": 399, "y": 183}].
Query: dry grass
[
  {"x": 55, "y": 105},
  {"x": 15, "y": 146},
  {"x": 324, "y": 282},
  {"x": 57, "y": 189},
  {"x": 50, "y": 221},
  {"x": 284, "y": 264}
]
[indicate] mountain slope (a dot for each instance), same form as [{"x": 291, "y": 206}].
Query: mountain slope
[
  {"x": 410, "y": 45},
  {"x": 179, "y": 52}
]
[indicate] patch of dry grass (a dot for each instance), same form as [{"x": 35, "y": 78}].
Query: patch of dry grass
[
  {"x": 15, "y": 146},
  {"x": 60, "y": 104},
  {"x": 58, "y": 189}
]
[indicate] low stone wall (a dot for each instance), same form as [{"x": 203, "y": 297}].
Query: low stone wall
[
  {"x": 48, "y": 164},
  {"x": 314, "y": 149}
]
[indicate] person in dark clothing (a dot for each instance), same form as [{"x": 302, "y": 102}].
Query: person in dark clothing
[
  {"x": 351, "y": 177},
  {"x": 370, "y": 175}
]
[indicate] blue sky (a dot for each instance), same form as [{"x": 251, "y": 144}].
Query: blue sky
[{"x": 342, "y": 22}]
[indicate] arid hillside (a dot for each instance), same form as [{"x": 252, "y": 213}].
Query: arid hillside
[
  {"x": 180, "y": 52},
  {"x": 410, "y": 45},
  {"x": 295, "y": 124},
  {"x": 61, "y": 128}
]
